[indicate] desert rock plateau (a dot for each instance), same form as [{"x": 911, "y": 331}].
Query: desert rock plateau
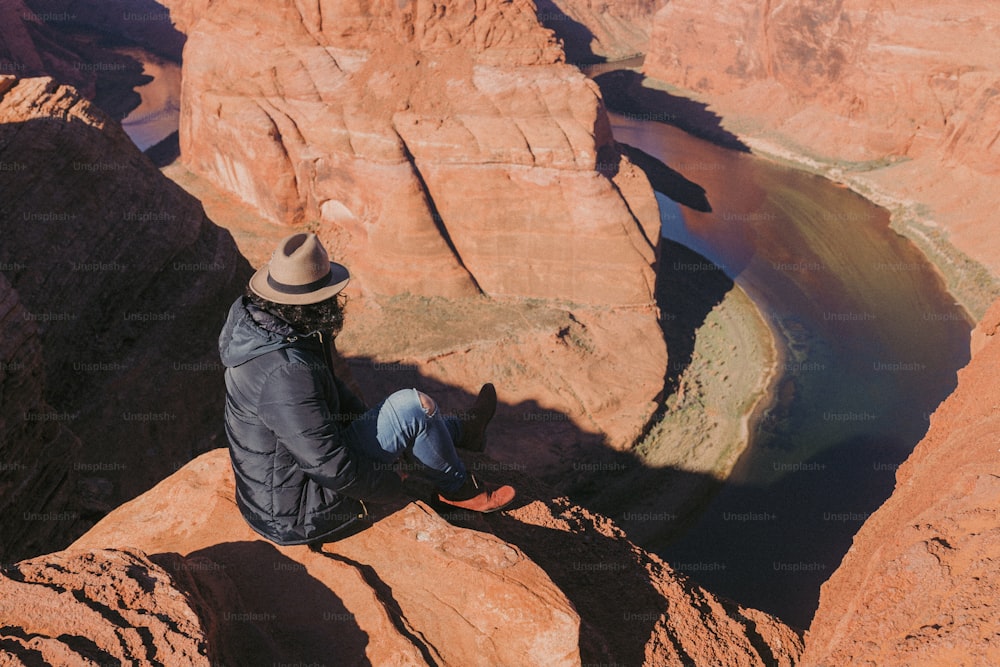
[{"x": 455, "y": 156}]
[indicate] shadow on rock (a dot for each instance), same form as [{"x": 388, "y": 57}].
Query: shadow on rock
[
  {"x": 666, "y": 181},
  {"x": 273, "y": 620},
  {"x": 624, "y": 93},
  {"x": 685, "y": 296},
  {"x": 576, "y": 37}
]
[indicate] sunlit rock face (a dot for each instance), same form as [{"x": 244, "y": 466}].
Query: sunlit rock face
[
  {"x": 533, "y": 585},
  {"x": 441, "y": 149}
]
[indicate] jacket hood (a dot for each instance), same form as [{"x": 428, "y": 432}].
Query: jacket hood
[{"x": 250, "y": 332}]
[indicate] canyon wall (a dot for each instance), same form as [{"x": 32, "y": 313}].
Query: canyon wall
[
  {"x": 123, "y": 284},
  {"x": 439, "y": 148},
  {"x": 39, "y": 501},
  {"x": 920, "y": 583},
  {"x": 130, "y": 22},
  {"x": 595, "y": 30},
  {"x": 442, "y": 161},
  {"x": 900, "y": 102}
]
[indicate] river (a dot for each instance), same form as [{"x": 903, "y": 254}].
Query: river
[
  {"x": 871, "y": 343},
  {"x": 158, "y": 115}
]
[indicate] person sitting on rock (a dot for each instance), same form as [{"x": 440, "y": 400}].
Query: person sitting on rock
[{"x": 305, "y": 450}]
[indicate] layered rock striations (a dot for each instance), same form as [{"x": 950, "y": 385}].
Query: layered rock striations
[
  {"x": 440, "y": 161},
  {"x": 901, "y": 102},
  {"x": 920, "y": 584},
  {"x": 540, "y": 584},
  {"x": 442, "y": 149},
  {"x": 126, "y": 284}
]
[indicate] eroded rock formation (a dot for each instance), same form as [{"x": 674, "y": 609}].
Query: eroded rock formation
[
  {"x": 900, "y": 101},
  {"x": 920, "y": 584},
  {"x": 106, "y": 607},
  {"x": 126, "y": 283},
  {"x": 442, "y": 149},
  {"x": 537, "y": 585}
]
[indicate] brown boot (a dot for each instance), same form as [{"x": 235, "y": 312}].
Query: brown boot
[
  {"x": 476, "y": 496},
  {"x": 474, "y": 427}
]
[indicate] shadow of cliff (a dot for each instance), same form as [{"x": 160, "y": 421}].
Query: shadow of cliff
[
  {"x": 668, "y": 182},
  {"x": 384, "y": 593},
  {"x": 285, "y": 615},
  {"x": 687, "y": 290},
  {"x": 166, "y": 151},
  {"x": 126, "y": 283},
  {"x": 624, "y": 93},
  {"x": 575, "y": 36},
  {"x": 777, "y": 543},
  {"x": 115, "y": 23}
]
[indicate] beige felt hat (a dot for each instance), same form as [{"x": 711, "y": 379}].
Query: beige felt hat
[{"x": 299, "y": 273}]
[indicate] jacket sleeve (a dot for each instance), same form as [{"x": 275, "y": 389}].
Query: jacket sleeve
[{"x": 292, "y": 405}]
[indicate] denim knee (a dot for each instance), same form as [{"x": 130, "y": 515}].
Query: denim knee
[{"x": 406, "y": 405}]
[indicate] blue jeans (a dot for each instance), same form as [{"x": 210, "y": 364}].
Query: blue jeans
[{"x": 401, "y": 425}]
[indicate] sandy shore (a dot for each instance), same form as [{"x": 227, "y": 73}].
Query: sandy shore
[{"x": 723, "y": 373}]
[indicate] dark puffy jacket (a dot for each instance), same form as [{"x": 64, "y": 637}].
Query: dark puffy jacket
[{"x": 296, "y": 481}]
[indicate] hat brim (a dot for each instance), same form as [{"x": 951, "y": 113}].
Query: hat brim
[{"x": 338, "y": 279}]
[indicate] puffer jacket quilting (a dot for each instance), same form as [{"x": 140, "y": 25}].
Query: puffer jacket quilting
[{"x": 296, "y": 480}]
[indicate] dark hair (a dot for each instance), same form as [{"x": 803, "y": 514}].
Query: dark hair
[{"x": 326, "y": 316}]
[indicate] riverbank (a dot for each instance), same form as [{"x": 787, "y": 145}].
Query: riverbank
[
  {"x": 972, "y": 284},
  {"x": 872, "y": 335},
  {"x": 722, "y": 378}
]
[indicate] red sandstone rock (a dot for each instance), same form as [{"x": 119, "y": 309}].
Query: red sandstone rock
[
  {"x": 443, "y": 161},
  {"x": 572, "y": 382},
  {"x": 95, "y": 607},
  {"x": 901, "y": 97},
  {"x": 634, "y": 608},
  {"x": 546, "y": 583},
  {"x": 442, "y": 149},
  {"x": 986, "y": 330},
  {"x": 127, "y": 283},
  {"x": 409, "y": 590},
  {"x": 920, "y": 583}
]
